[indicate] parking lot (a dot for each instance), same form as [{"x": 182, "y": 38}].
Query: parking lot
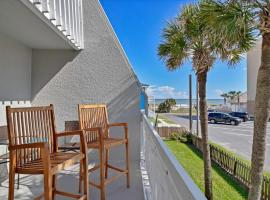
[{"x": 235, "y": 138}]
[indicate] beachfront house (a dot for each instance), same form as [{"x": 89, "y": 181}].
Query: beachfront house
[{"x": 65, "y": 52}]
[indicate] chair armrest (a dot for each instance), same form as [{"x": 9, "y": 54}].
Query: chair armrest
[
  {"x": 123, "y": 124},
  {"x": 80, "y": 133},
  {"x": 69, "y": 133},
  {"x": 40, "y": 145},
  {"x": 118, "y": 124}
]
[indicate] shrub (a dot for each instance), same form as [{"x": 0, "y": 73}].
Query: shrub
[{"x": 166, "y": 106}]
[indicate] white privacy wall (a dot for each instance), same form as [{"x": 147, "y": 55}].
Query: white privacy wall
[
  {"x": 168, "y": 179},
  {"x": 100, "y": 73},
  {"x": 15, "y": 70},
  {"x": 15, "y": 75}
]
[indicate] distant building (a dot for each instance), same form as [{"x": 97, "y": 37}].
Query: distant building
[
  {"x": 253, "y": 64},
  {"x": 239, "y": 103}
]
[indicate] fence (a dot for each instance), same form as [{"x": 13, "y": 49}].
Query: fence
[
  {"x": 166, "y": 132},
  {"x": 238, "y": 169}
]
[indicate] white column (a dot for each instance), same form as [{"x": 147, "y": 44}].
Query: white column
[
  {"x": 76, "y": 22},
  {"x": 45, "y": 6},
  {"x": 68, "y": 18},
  {"x": 52, "y": 9},
  {"x": 58, "y": 12},
  {"x": 81, "y": 22},
  {"x": 72, "y": 21},
  {"x": 64, "y": 17},
  {"x": 36, "y": 1}
]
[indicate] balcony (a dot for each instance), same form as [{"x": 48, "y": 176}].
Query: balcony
[
  {"x": 157, "y": 176},
  {"x": 43, "y": 24}
]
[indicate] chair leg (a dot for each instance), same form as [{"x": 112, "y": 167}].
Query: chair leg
[
  {"x": 80, "y": 176},
  {"x": 18, "y": 181},
  {"x": 11, "y": 180},
  {"x": 102, "y": 177},
  {"x": 107, "y": 162},
  {"x": 54, "y": 179},
  {"x": 127, "y": 165},
  {"x": 84, "y": 174},
  {"x": 47, "y": 186}
]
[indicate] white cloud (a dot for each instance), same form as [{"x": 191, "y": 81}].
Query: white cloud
[
  {"x": 219, "y": 92},
  {"x": 163, "y": 92}
]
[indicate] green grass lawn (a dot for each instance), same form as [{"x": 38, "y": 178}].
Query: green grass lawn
[
  {"x": 224, "y": 187},
  {"x": 183, "y": 111},
  {"x": 165, "y": 119}
]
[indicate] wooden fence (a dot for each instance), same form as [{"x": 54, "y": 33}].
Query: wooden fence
[
  {"x": 166, "y": 132},
  {"x": 238, "y": 169}
]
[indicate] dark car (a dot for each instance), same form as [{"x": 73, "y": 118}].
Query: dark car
[
  {"x": 242, "y": 115},
  {"x": 218, "y": 117}
]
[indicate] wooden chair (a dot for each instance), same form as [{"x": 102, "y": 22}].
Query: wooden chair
[
  {"x": 91, "y": 116},
  {"x": 33, "y": 146}
]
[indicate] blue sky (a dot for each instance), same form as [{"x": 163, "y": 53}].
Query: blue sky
[{"x": 138, "y": 25}]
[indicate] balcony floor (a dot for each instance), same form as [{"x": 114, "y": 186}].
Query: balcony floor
[{"x": 32, "y": 185}]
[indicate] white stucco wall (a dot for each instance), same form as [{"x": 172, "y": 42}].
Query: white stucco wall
[
  {"x": 100, "y": 73},
  {"x": 15, "y": 70},
  {"x": 253, "y": 64}
]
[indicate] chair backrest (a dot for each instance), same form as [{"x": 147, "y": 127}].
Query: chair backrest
[
  {"x": 91, "y": 116},
  {"x": 31, "y": 125}
]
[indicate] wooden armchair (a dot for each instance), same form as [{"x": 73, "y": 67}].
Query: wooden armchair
[
  {"x": 94, "y": 121},
  {"x": 33, "y": 146}
]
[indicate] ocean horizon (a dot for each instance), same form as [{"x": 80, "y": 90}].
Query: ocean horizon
[{"x": 186, "y": 101}]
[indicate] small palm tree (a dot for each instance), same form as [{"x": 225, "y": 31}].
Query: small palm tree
[
  {"x": 225, "y": 96},
  {"x": 186, "y": 37},
  {"x": 229, "y": 20}
]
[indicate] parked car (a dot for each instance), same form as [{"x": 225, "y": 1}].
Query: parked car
[
  {"x": 218, "y": 117},
  {"x": 242, "y": 115}
]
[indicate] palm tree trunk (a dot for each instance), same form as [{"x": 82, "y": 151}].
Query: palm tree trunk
[
  {"x": 202, "y": 78},
  {"x": 262, "y": 107}
]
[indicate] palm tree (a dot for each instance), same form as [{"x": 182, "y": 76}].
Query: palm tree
[
  {"x": 184, "y": 38},
  {"x": 229, "y": 21},
  {"x": 225, "y": 96}
]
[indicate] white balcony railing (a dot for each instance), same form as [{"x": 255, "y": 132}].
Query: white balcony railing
[
  {"x": 167, "y": 178},
  {"x": 66, "y": 15}
]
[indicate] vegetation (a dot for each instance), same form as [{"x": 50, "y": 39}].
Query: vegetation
[
  {"x": 184, "y": 111},
  {"x": 166, "y": 106},
  {"x": 188, "y": 37},
  {"x": 232, "y": 95},
  {"x": 231, "y": 20},
  {"x": 166, "y": 119},
  {"x": 224, "y": 187}
]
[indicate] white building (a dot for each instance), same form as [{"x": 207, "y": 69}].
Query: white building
[
  {"x": 65, "y": 52},
  {"x": 253, "y": 64}
]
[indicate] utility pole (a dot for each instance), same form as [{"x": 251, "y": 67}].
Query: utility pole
[
  {"x": 197, "y": 106},
  {"x": 190, "y": 103}
]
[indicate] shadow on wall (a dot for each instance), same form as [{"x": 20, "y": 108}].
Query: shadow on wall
[{"x": 43, "y": 70}]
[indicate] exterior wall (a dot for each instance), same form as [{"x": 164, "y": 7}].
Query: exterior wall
[
  {"x": 253, "y": 64},
  {"x": 100, "y": 73},
  {"x": 15, "y": 66}
]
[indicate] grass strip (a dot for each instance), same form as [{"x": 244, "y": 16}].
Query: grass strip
[{"x": 224, "y": 187}]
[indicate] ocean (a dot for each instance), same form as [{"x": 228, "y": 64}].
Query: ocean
[{"x": 186, "y": 101}]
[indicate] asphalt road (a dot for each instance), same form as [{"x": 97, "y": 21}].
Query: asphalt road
[{"x": 235, "y": 138}]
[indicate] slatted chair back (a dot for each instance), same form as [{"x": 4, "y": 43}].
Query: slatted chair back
[
  {"x": 31, "y": 125},
  {"x": 92, "y": 116}
]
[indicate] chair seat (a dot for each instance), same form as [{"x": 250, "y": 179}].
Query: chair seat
[
  {"x": 108, "y": 142},
  {"x": 59, "y": 161}
]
